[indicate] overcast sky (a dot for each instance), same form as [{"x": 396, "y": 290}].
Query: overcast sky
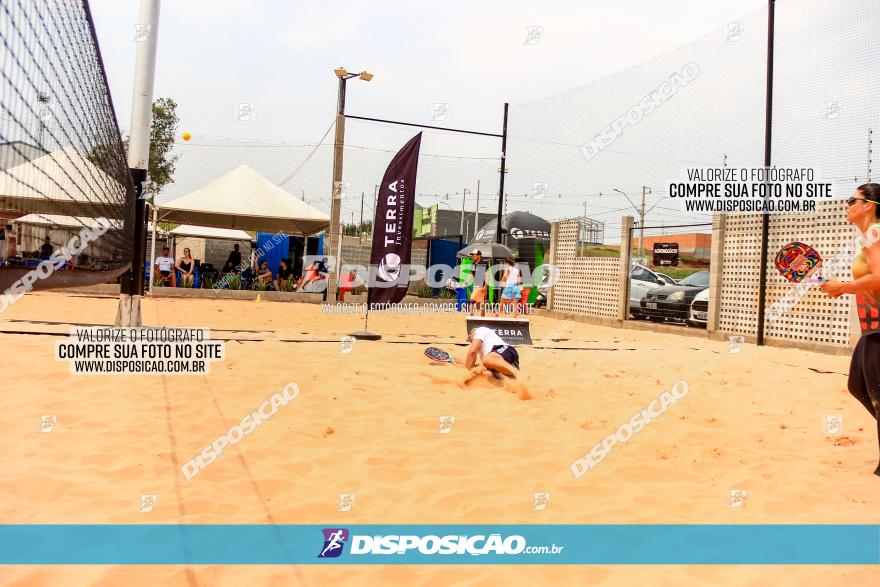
[{"x": 279, "y": 56}]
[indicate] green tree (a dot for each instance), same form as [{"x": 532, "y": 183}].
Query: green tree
[{"x": 163, "y": 130}]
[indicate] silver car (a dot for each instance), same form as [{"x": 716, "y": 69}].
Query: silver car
[{"x": 641, "y": 279}]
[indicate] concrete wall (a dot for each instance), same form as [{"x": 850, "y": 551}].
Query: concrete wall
[
  {"x": 589, "y": 286},
  {"x": 816, "y": 321},
  {"x": 217, "y": 251},
  {"x": 593, "y": 286},
  {"x": 436, "y": 221}
]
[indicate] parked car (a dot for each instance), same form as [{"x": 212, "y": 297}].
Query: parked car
[
  {"x": 673, "y": 302},
  {"x": 543, "y": 287},
  {"x": 641, "y": 280},
  {"x": 699, "y": 310},
  {"x": 666, "y": 278}
]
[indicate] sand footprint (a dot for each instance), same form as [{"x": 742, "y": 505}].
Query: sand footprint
[{"x": 845, "y": 441}]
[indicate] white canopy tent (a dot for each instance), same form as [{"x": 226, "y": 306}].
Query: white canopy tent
[
  {"x": 63, "y": 183},
  {"x": 73, "y": 222},
  {"x": 188, "y": 230},
  {"x": 240, "y": 200},
  {"x": 245, "y": 200},
  {"x": 59, "y": 221}
]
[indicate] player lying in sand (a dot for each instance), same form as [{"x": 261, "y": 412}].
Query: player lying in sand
[{"x": 494, "y": 354}]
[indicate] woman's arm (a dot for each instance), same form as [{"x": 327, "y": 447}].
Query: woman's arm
[
  {"x": 867, "y": 284},
  {"x": 472, "y": 352}
]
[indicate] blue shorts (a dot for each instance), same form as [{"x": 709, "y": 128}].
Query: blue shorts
[
  {"x": 511, "y": 292},
  {"x": 509, "y": 354}
]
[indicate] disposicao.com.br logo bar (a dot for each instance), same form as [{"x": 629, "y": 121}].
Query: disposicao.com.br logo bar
[
  {"x": 335, "y": 540},
  {"x": 458, "y": 544}
]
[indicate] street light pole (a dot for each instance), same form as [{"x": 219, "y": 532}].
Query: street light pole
[
  {"x": 477, "y": 210},
  {"x": 336, "y": 199}
]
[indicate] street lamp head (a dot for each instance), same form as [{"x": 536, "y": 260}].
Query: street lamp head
[
  {"x": 340, "y": 72},
  {"x": 366, "y": 76}
]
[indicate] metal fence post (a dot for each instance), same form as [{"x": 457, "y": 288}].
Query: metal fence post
[{"x": 551, "y": 260}]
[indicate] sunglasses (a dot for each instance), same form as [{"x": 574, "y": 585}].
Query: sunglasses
[{"x": 852, "y": 201}]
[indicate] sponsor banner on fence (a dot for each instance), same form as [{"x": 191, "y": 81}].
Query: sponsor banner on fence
[{"x": 513, "y": 331}]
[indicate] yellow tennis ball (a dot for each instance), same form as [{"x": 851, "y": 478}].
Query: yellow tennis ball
[{"x": 187, "y": 136}]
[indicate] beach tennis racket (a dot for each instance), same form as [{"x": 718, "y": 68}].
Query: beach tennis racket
[
  {"x": 800, "y": 263},
  {"x": 438, "y": 355}
]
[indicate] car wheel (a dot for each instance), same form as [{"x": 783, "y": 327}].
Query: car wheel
[{"x": 690, "y": 324}]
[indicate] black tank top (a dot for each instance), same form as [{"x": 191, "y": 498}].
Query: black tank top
[{"x": 184, "y": 265}]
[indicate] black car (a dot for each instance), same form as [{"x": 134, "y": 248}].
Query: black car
[{"x": 673, "y": 302}]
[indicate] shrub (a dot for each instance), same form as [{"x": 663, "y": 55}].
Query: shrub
[{"x": 233, "y": 281}]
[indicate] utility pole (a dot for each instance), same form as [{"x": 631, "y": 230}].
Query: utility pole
[
  {"x": 642, "y": 221},
  {"x": 477, "y": 210},
  {"x": 336, "y": 193},
  {"x": 463, "y": 196},
  {"x": 375, "y": 202},
  {"x": 361, "y": 225},
  {"x": 335, "y": 239}
]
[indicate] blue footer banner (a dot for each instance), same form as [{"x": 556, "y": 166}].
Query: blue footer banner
[{"x": 263, "y": 544}]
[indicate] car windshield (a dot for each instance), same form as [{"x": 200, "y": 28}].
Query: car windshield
[{"x": 698, "y": 278}]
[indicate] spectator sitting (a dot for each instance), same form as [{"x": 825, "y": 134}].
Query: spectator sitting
[
  {"x": 187, "y": 266},
  {"x": 264, "y": 274},
  {"x": 47, "y": 249},
  {"x": 164, "y": 266},
  {"x": 284, "y": 275},
  {"x": 227, "y": 269},
  {"x": 234, "y": 260}
]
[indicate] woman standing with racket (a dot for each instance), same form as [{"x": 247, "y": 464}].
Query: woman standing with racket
[{"x": 863, "y": 210}]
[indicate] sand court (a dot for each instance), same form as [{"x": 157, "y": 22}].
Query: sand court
[{"x": 367, "y": 423}]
